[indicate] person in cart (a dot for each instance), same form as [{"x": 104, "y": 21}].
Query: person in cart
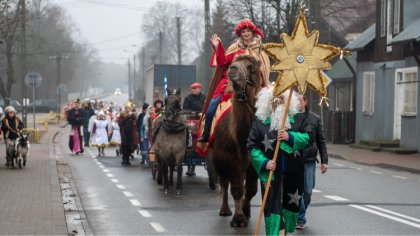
[{"x": 193, "y": 104}]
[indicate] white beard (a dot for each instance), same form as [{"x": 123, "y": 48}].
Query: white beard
[{"x": 264, "y": 106}]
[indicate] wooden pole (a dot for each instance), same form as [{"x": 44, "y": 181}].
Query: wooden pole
[{"x": 270, "y": 176}]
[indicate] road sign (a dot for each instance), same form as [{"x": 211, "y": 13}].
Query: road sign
[
  {"x": 329, "y": 80},
  {"x": 33, "y": 79}
]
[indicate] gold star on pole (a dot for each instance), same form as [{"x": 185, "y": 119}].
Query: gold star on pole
[{"x": 300, "y": 59}]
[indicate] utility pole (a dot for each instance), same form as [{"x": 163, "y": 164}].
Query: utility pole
[
  {"x": 134, "y": 75},
  {"x": 160, "y": 46},
  {"x": 58, "y": 61},
  {"x": 143, "y": 73},
  {"x": 129, "y": 80},
  {"x": 178, "y": 38},
  {"x": 23, "y": 61},
  {"x": 207, "y": 31}
]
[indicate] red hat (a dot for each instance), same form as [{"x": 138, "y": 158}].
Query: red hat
[
  {"x": 246, "y": 23},
  {"x": 196, "y": 85}
]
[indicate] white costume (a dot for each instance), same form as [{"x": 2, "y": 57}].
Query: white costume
[
  {"x": 116, "y": 135},
  {"x": 100, "y": 134}
]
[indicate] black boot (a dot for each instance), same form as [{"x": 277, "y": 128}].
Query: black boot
[
  {"x": 127, "y": 161},
  {"x": 123, "y": 160},
  {"x": 204, "y": 138}
]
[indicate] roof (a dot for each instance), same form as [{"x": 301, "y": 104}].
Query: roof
[
  {"x": 340, "y": 70},
  {"x": 364, "y": 39},
  {"x": 411, "y": 33}
]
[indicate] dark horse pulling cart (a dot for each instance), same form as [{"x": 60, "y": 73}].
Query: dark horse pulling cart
[{"x": 192, "y": 122}]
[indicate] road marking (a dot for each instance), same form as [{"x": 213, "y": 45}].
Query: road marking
[
  {"x": 394, "y": 213},
  {"x": 115, "y": 180},
  {"x": 127, "y": 194},
  {"x": 375, "y": 172},
  {"x": 336, "y": 198},
  {"x": 105, "y": 170},
  {"x": 316, "y": 191},
  {"x": 145, "y": 213},
  {"x": 120, "y": 186},
  {"x": 358, "y": 168},
  {"x": 399, "y": 177},
  {"x": 135, "y": 202},
  {"x": 338, "y": 164},
  {"x": 159, "y": 228},
  {"x": 386, "y": 216},
  {"x": 110, "y": 175}
]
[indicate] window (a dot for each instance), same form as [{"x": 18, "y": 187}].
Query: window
[
  {"x": 396, "y": 16},
  {"x": 410, "y": 83},
  {"x": 389, "y": 26},
  {"x": 383, "y": 17},
  {"x": 368, "y": 92}
]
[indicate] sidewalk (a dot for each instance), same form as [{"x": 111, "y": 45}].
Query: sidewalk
[
  {"x": 410, "y": 163},
  {"x": 30, "y": 198}
]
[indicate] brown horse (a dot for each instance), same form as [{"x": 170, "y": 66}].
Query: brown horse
[
  {"x": 170, "y": 141},
  {"x": 229, "y": 155}
]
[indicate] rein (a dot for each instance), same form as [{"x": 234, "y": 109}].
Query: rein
[{"x": 242, "y": 97}]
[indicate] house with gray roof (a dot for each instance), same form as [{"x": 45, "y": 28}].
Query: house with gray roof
[{"x": 387, "y": 78}]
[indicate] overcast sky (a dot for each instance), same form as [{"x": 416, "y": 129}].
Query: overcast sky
[{"x": 113, "y": 26}]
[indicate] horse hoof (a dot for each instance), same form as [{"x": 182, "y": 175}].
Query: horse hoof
[
  {"x": 239, "y": 221},
  {"x": 212, "y": 185},
  {"x": 225, "y": 212},
  {"x": 178, "y": 192}
]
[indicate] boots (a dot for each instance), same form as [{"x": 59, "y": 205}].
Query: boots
[{"x": 204, "y": 138}]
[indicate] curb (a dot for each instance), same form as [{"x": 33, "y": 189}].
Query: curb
[
  {"x": 76, "y": 220},
  {"x": 381, "y": 165}
]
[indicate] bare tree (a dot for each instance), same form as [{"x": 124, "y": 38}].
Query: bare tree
[{"x": 9, "y": 23}]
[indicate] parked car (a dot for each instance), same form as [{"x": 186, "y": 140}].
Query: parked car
[
  {"x": 43, "y": 105},
  {"x": 117, "y": 91},
  {"x": 16, "y": 104}
]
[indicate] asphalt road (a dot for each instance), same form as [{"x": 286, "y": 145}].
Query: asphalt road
[{"x": 349, "y": 199}]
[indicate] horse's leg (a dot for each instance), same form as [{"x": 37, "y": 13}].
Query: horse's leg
[
  {"x": 224, "y": 209},
  {"x": 251, "y": 188},
  {"x": 179, "y": 159},
  {"x": 159, "y": 179},
  {"x": 165, "y": 176},
  {"x": 171, "y": 172},
  {"x": 237, "y": 190}
]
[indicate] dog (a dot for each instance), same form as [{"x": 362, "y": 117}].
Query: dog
[{"x": 22, "y": 147}]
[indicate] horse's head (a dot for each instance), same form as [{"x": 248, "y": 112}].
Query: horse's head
[
  {"x": 172, "y": 103},
  {"x": 244, "y": 73}
]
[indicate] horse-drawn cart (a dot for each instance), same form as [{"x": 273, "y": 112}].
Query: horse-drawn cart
[{"x": 191, "y": 158}]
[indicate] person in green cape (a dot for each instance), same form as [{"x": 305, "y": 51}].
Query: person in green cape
[{"x": 283, "y": 201}]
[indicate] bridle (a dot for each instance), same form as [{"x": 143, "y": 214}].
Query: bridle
[{"x": 242, "y": 97}]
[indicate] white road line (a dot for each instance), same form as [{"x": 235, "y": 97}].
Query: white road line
[
  {"x": 127, "y": 194},
  {"x": 386, "y": 216},
  {"x": 336, "y": 198},
  {"x": 338, "y": 164},
  {"x": 120, "y": 186},
  {"x": 105, "y": 170},
  {"x": 159, "y": 228},
  {"x": 394, "y": 213},
  {"x": 375, "y": 172},
  {"x": 135, "y": 202},
  {"x": 110, "y": 175},
  {"x": 399, "y": 177},
  {"x": 115, "y": 180},
  {"x": 316, "y": 191},
  {"x": 145, "y": 213}
]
